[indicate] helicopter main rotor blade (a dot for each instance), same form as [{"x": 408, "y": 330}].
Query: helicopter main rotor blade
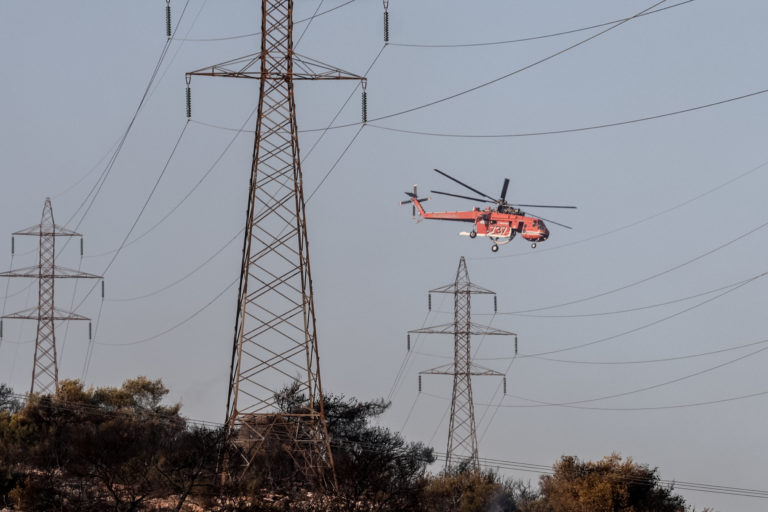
[
  {"x": 465, "y": 185},
  {"x": 553, "y": 222},
  {"x": 462, "y": 197},
  {"x": 504, "y": 190},
  {"x": 541, "y": 206}
]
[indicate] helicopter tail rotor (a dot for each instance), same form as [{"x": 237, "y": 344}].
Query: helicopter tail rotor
[{"x": 413, "y": 196}]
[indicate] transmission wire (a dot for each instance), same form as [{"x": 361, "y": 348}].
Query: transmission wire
[
  {"x": 660, "y": 385},
  {"x": 254, "y": 34},
  {"x": 497, "y": 79},
  {"x": 534, "y": 38},
  {"x": 648, "y": 278},
  {"x": 571, "y": 130},
  {"x": 644, "y": 326}
]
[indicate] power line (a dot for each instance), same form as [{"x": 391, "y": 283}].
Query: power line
[
  {"x": 530, "y": 133},
  {"x": 117, "y": 142},
  {"x": 538, "y": 403},
  {"x": 5, "y": 298},
  {"x": 192, "y": 190},
  {"x": 651, "y": 361},
  {"x": 639, "y": 221},
  {"x": 91, "y": 344},
  {"x": 613, "y": 363},
  {"x": 141, "y": 211},
  {"x": 624, "y": 310},
  {"x": 177, "y": 325},
  {"x": 406, "y": 359},
  {"x": 497, "y": 79},
  {"x": 644, "y": 326},
  {"x": 254, "y": 34},
  {"x": 650, "y": 277},
  {"x": 676, "y": 484},
  {"x": 659, "y": 385},
  {"x": 533, "y": 38},
  {"x": 488, "y": 463},
  {"x": 333, "y": 167},
  {"x": 309, "y": 23},
  {"x": 570, "y": 130},
  {"x": 90, "y": 198},
  {"x": 333, "y": 120},
  {"x": 484, "y": 84},
  {"x": 236, "y": 235},
  {"x": 184, "y": 277}
]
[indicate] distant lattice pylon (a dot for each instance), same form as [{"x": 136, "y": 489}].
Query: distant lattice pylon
[
  {"x": 275, "y": 345},
  {"x": 45, "y": 371},
  {"x": 462, "y": 434}
]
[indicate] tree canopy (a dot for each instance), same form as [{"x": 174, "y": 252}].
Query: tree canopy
[
  {"x": 123, "y": 449},
  {"x": 612, "y": 484}
]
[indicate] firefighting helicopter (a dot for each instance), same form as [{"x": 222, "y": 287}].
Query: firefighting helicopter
[{"x": 500, "y": 223}]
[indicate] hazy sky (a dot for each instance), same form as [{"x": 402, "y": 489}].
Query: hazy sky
[{"x": 74, "y": 72}]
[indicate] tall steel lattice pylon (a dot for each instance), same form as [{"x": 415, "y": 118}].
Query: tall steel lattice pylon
[
  {"x": 275, "y": 333},
  {"x": 462, "y": 435},
  {"x": 45, "y": 371}
]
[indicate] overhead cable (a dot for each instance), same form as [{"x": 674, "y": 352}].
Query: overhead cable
[
  {"x": 254, "y": 34},
  {"x": 532, "y": 38},
  {"x": 661, "y": 384},
  {"x": 497, "y": 79},
  {"x": 191, "y": 190},
  {"x": 141, "y": 211},
  {"x": 177, "y": 325},
  {"x": 651, "y": 361},
  {"x": 644, "y": 326},
  {"x": 624, "y": 310},
  {"x": 489, "y": 463},
  {"x": 570, "y": 130},
  {"x": 652, "y": 276},
  {"x": 184, "y": 277},
  {"x": 636, "y": 222},
  {"x": 90, "y": 198}
]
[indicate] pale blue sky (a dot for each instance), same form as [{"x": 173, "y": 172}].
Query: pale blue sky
[{"x": 72, "y": 77}]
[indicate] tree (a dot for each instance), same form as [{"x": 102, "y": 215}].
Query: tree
[
  {"x": 9, "y": 401},
  {"x": 609, "y": 485},
  {"x": 373, "y": 465},
  {"x": 460, "y": 489},
  {"x": 107, "y": 449}
]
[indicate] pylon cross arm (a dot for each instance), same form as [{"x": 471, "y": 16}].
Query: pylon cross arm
[
  {"x": 58, "y": 272},
  {"x": 463, "y": 288},
  {"x": 46, "y": 230},
  {"x": 306, "y": 69},
  {"x": 474, "y": 329},
  {"x": 450, "y": 369},
  {"x": 34, "y": 314}
]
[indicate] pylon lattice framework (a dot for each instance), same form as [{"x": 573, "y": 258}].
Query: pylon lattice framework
[
  {"x": 275, "y": 334},
  {"x": 45, "y": 370},
  {"x": 462, "y": 434}
]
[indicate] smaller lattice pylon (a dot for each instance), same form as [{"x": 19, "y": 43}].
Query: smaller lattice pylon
[
  {"x": 462, "y": 433},
  {"x": 45, "y": 371}
]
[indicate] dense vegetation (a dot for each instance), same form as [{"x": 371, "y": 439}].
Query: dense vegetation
[{"x": 121, "y": 449}]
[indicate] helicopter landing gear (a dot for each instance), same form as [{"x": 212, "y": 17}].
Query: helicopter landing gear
[
  {"x": 495, "y": 248},
  {"x": 533, "y": 245},
  {"x": 472, "y": 234}
]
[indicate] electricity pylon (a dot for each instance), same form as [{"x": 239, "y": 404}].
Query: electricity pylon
[
  {"x": 275, "y": 341},
  {"x": 462, "y": 435},
  {"x": 45, "y": 371}
]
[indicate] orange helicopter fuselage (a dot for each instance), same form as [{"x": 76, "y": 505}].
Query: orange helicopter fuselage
[{"x": 494, "y": 224}]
